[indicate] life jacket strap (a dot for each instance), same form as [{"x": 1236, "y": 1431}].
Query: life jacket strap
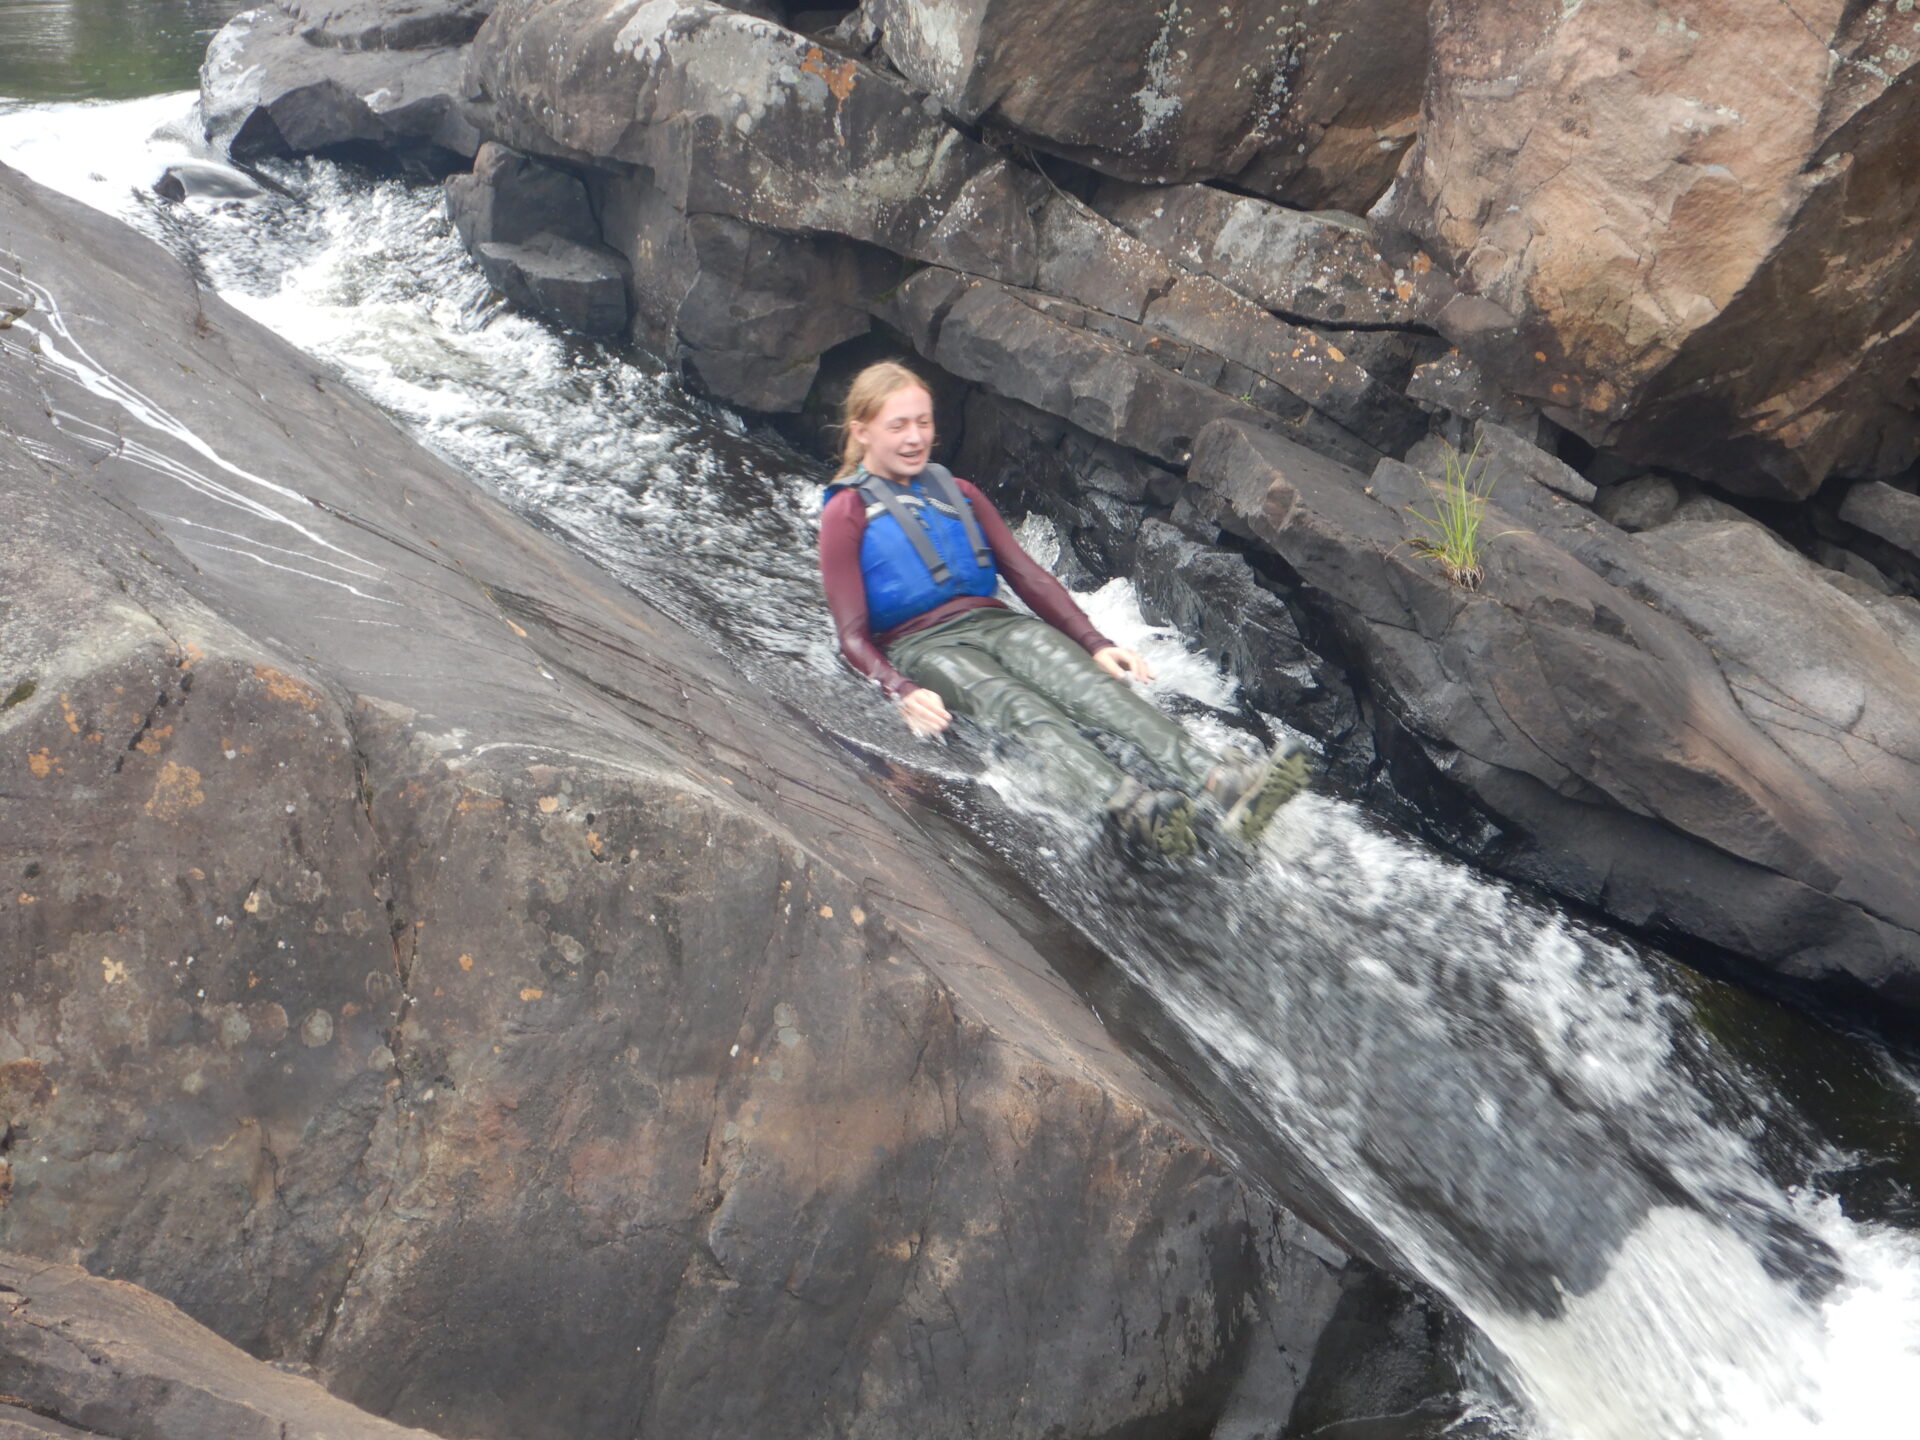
[
  {"x": 949, "y": 491},
  {"x": 876, "y": 491}
]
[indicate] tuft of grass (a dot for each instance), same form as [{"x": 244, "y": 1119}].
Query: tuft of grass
[{"x": 1453, "y": 525}]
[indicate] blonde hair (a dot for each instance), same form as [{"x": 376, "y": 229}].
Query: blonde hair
[{"x": 869, "y": 391}]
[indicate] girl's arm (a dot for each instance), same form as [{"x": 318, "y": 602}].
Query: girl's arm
[
  {"x": 1030, "y": 580},
  {"x": 842, "y": 524}
]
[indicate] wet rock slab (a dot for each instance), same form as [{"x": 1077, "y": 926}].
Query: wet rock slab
[{"x": 434, "y": 966}]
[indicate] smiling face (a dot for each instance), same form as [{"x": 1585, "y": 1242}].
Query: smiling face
[{"x": 899, "y": 437}]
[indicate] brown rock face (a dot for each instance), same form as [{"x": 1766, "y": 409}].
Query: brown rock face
[
  {"x": 1310, "y": 100},
  {"x": 1684, "y": 229}
]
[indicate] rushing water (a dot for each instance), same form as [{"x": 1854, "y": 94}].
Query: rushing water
[{"x": 1625, "y": 1176}]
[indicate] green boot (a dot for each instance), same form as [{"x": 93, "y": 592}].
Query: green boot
[
  {"x": 1159, "y": 822},
  {"x": 1251, "y": 791}
]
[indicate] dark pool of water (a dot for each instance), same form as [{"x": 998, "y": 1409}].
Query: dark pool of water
[{"x": 105, "y": 49}]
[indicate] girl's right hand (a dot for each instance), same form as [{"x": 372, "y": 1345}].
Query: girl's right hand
[{"x": 925, "y": 712}]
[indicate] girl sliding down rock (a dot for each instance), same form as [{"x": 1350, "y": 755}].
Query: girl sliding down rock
[{"x": 911, "y": 559}]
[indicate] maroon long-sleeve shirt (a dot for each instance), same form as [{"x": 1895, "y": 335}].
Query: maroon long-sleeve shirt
[{"x": 843, "y": 523}]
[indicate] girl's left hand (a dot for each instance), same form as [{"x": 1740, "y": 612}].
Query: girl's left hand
[{"x": 1122, "y": 663}]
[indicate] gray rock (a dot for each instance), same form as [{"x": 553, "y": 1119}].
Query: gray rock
[
  {"x": 1214, "y": 597},
  {"x": 509, "y": 198},
  {"x": 1018, "y": 346},
  {"x": 1316, "y": 104},
  {"x": 748, "y": 311},
  {"x": 1454, "y": 383},
  {"x": 1503, "y": 453},
  {"x": 1879, "y": 509},
  {"x": 732, "y": 115},
  {"x": 388, "y": 24},
  {"x": 1689, "y": 729},
  {"x": 531, "y": 228},
  {"x": 1855, "y": 567},
  {"x": 1085, "y": 258},
  {"x": 1706, "y": 507},
  {"x": 582, "y": 288},
  {"x": 1201, "y": 311},
  {"x": 124, "y": 1363},
  {"x": 1640, "y": 503},
  {"x": 1320, "y": 268},
  {"x": 264, "y": 91}
]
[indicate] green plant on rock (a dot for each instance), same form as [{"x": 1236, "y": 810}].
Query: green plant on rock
[{"x": 1453, "y": 526}]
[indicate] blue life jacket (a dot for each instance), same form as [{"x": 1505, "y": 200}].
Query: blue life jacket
[{"x": 922, "y": 545}]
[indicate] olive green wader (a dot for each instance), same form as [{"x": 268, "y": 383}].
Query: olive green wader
[{"x": 1019, "y": 676}]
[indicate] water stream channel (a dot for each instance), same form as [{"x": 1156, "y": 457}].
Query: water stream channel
[{"x": 1668, "y": 1208}]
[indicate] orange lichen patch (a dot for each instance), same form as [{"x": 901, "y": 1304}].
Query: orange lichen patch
[
  {"x": 1336, "y": 352},
  {"x": 826, "y": 912},
  {"x": 25, "y": 899},
  {"x": 1541, "y": 356},
  {"x": 593, "y": 842},
  {"x": 549, "y": 804},
  {"x": 67, "y": 711},
  {"x": 111, "y": 970},
  {"x": 149, "y": 743},
  {"x": 176, "y": 791},
  {"x": 252, "y": 980},
  {"x": 840, "y": 78},
  {"x": 472, "y": 800},
  {"x": 857, "y": 915},
  {"x": 190, "y": 654},
  {"x": 1422, "y": 262},
  {"x": 283, "y": 686},
  {"x": 466, "y": 962},
  {"x": 1404, "y": 290},
  {"x": 531, "y": 992},
  {"x": 42, "y": 763},
  {"x": 352, "y": 1008}
]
